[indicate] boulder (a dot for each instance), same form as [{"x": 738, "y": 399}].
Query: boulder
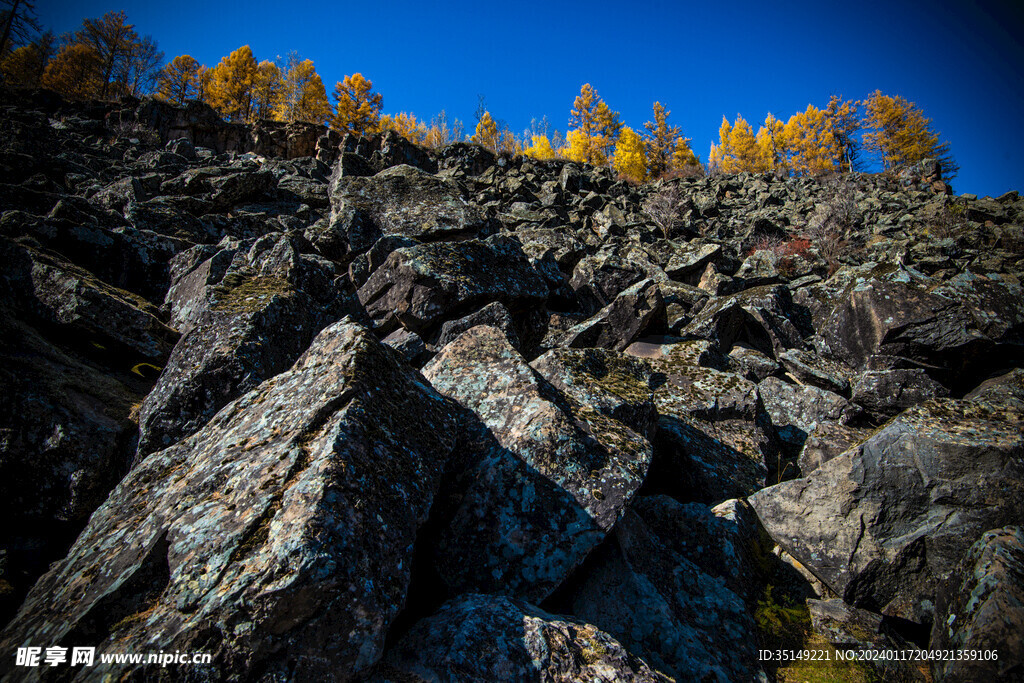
[
  {"x": 885, "y": 524},
  {"x": 546, "y": 477},
  {"x": 982, "y": 610},
  {"x": 617, "y": 325},
  {"x": 418, "y": 287},
  {"x": 885, "y": 393},
  {"x": 493, "y": 638},
  {"x": 641, "y": 588},
  {"x": 273, "y": 539},
  {"x": 796, "y": 409},
  {"x": 761, "y": 317}
]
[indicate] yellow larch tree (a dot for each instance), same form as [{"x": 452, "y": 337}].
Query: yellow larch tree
[
  {"x": 23, "y": 68},
  {"x": 486, "y": 133},
  {"x": 179, "y": 80},
  {"x": 842, "y": 119},
  {"x": 358, "y": 107},
  {"x": 405, "y": 125},
  {"x": 772, "y": 146},
  {"x": 74, "y": 72},
  {"x": 900, "y": 133},
  {"x": 812, "y": 145},
  {"x": 660, "y": 141},
  {"x": 737, "y": 149},
  {"x": 683, "y": 158},
  {"x": 629, "y": 159},
  {"x": 231, "y": 82},
  {"x": 267, "y": 91},
  {"x": 540, "y": 148},
  {"x": 597, "y": 128},
  {"x": 303, "y": 96}
]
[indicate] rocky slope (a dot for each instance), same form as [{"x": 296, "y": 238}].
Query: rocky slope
[{"x": 345, "y": 408}]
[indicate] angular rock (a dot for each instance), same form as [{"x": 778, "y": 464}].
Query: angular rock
[
  {"x": 274, "y": 539},
  {"x": 548, "y": 478},
  {"x": 809, "y": 368},
  {"x": 825, "y": 441},
  {"x": 419, "y": 286},
  {"x": 641, "y": 589},
  {"x": 983, "y": 611},
  {"x": 885, "y": 523},
  {"x": 797, "y": 409},
  {"x": 1005, "y": 389},
  {"x": 888, "y": 392},
  {"x": 253, "y": 323},
  {"x": 492, "y": 638},
  {"x": 615, "y": 326},
  {"x": 761, "y": 317},
  {"x": 402, "y": 201},
  {"x": 493, "y": 314}
]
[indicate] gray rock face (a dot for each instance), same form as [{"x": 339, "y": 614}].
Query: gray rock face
[
  {"x": 273, "y": 538},
  {"x": 490, "y": 638},
  {"x": 641, "y": 588},
  {"x": 797, "y": 409},
  {"x": 419, "y": 286},
  {"x": 623, "y": 320},
  {"x": 245, "y": 326},
  {"x": 403, "y": 201},
  {"x": 551, "y": 478},
  {"x": 886, "y": 522},
  {"x": 759, "y": 317},
  {"x": 984, "y": 610}
]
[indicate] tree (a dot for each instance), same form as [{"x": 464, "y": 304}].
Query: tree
[
  {"x": 24, "y": 67},
  {"x": 18, "y": 23},
  {"x": 440, "y": 134},
  {"x": 113, "y": 39},
  {"x": 267, "y": 91},
  {"x": 630, "y": 160},
  {"x": 358, "y": 107},
  {"x": 660, "y": 141},
  {"x": 597, "y": 128},
  {"x": 683, "y": 158},
  {"x": 842, "y": 119},
  {"x": 405, "y": 125},
  {"x": 899, "y": 133},
  {"x": 541, "y": 148},
  {"x": 179, "y": 80},
  {"x": 772, "y": 146},
  {"x": 737, "y": 148},
  {"x": 813, "y": 147},
  {"x": 304, "y": 97},
  {"x": 230, "y": 88},
  {"x": 203, "y": 79},
  {"x": 74, "y": 72},
  {"x": 139, "y": 73},
  {"x": 487, "y": 132}
]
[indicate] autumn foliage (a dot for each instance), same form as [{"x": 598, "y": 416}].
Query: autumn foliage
[{"x": 107, "y": 58}]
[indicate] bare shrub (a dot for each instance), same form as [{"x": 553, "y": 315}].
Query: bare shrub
[
  {"x": 950, "y": 220},
  {"x": 135, "y": 133},
  {"x": 666, "y": 207},
  {"x": 830, "y": 225}
]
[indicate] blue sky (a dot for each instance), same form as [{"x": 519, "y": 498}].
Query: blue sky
[{"x": 961, "y": 62}]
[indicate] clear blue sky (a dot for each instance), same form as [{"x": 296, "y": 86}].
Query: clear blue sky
[{"x": 961, "y": 62}]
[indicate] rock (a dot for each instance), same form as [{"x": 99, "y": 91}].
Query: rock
[
  {"x": 547, "y": 479},
  {"x": 751, "y": 364},
  {"x": 419, "y": 286},
  {"x": 641, "y": 589},
  {"x": 888, "y": 392},
  {"x": 493, "y": 638},
  {"x": 690, "y": 260},
  {"x": 71, "y": 299},
  {"x": 983, "y": 611},
  {"x": 493, "y": 314},
  {"x": 1005, "y": 390},
  {"x": 248, "y": 325},
  {"x": 886, "y": 522},
  {"x": 408, "y": 345},
  {"x": 402, "y": 201},
  {"x": 848, "y": 628},
  {"x": 615, "y": 326},
  {"x": 796, "y": 409},
  {"x": 713, "y": 432},
  {"x": 273, "y": 539},
  {"x": 897, "y": 320},
  {"x": 761, "y": 317},
  {"x": 824, "y": 442},
  {"x": 809, "y": 368}
]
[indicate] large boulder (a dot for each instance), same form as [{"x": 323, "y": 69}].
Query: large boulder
[
  {"x": 548, "y": 475},
  {"x": 246, "y": 323},
  {"x": 762, "y": 317},
  {"x": 278, "y": 540},
  {"x": 420, "y": 286},
  {"x": 983, "y": 611},
  {"x": 884, "y": 524},
  {"x": 403, "y": 201},
  {"x": 641, "y": 588},
  {"x": 492, "y": 638}
]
